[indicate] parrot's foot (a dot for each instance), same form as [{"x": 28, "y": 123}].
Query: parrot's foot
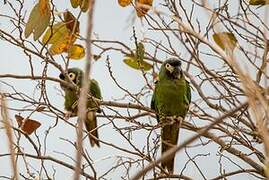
[{"x": 67, "y": 115}]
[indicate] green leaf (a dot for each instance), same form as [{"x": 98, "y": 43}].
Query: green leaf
[
  {"x": 225, "y": 40},
  {"x": 134, "y": 63},
  {"x": 33, "y": 18},
  {"x": 38, "y": 20},
  {"x": 140, "y": 52}
]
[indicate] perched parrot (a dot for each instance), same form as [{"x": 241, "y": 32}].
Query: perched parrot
[
  {"x": 170, "y": 100},
  {"x": 71, "y": 101}
]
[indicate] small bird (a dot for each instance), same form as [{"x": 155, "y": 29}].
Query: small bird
[
  {"x": 71, "y": 101},
  {"x": 170, "y": 100}
]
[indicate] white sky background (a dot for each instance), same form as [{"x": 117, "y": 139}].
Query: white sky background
[{"x": 111, "y": 22}]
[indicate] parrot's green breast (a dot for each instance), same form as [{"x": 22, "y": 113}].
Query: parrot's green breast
[
  {"x": 71, "y": 101},
  {"x": 171, "y": 98},
  {"x": 71, "y": 98}
]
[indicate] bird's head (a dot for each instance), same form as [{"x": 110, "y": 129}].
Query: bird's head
[
  {"x": 75, "y": 75},
  {"x": 171, "y": 69}
]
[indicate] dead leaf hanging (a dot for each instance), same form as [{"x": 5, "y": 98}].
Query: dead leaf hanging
[{"x": 27, "y": 125}]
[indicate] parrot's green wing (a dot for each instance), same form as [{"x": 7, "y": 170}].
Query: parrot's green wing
[
  {"x": 188, "y": 92},
  {"x": 153, "y": 104},
  {"x": 91, "y": 123},
  {"x": 95, "y": 89}
]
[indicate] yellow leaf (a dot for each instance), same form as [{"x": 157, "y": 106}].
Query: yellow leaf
[
  {"x": 225, "y": 40},
  {"x": 142, "y": 7},
  {"x": 136, "y": 64},
  {"x": 27, "y": 125},
  {"x": 76, "y": 51},
  {"x": 258, "y": 2},
  {"x": 124, "y": 3},
  {"x": 62, "y": 45},
  {"x": 38, "y": 20},
  {"x": 59, "y": 30},
  {"x": 84, "y": 5},
  {"x": 75, "y": 3}
]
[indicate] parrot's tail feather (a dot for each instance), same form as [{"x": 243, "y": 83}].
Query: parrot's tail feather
[
  {"x": 169, "y": 139},
  {"x": 169, "y": 164},
  {"x": 91, "y": 126}
]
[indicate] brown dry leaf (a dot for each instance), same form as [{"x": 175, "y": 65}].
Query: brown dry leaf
[
  {"x": 96, "y": 57},
  {"x": 225, "y": 40},
  {"x": 40, "y": 108},
  {"x": 76, "y": 52},
  {"x": 258, "y": 2},
  {"x": 28, "y": 126},
  {"x": 71, "y": 22},
  {"x": 124, "y": 3},
  {"x": 38, "y": 20},
  {"x": 142, "y": 7}
]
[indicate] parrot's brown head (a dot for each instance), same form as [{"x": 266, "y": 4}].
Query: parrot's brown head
[
  {"x": 74, "y": 74},
  {"x": 171, "y": 69}
]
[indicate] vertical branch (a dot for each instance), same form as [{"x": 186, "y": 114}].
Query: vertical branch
[
  {"x": 82, "y": 109},
  {"x": 7, "y": 126}
]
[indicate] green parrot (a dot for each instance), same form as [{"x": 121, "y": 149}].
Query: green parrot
[
  {"x": 171, "y": 100},
  {"x": 71, "y": 101}
]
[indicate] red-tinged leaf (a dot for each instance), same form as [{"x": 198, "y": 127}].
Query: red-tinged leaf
[
  {"x": 28, "y": 125},
  {"x": 71, "y": 22}
]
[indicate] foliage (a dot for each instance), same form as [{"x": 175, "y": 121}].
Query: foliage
[{"x": 223, "y": 48}]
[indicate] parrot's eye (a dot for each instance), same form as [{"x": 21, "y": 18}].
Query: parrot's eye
[
  {"x": 72, "y": 76},
  {"x": 169, "y": 67}
]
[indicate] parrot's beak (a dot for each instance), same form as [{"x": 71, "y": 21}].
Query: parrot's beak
[
  {"x": 177, "y": 73},
  {"x": 61, "y": 76}
]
